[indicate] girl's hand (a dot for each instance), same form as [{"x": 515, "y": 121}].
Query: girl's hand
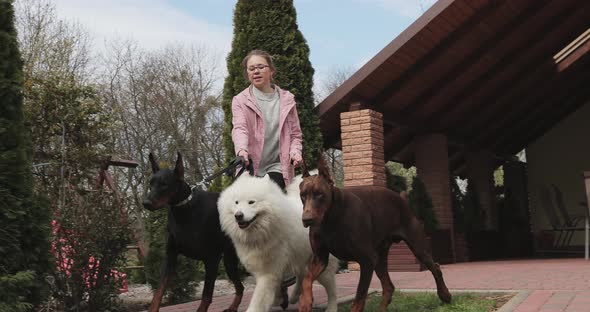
[
  {"x": 296, "y": 160},
  {"x": 244, "y": 153}
]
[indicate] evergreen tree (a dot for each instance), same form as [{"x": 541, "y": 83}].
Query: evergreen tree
[
  {"x": 395, "y": 181},
  {"x": 421, "y": 203},
  {"x": 24, "y": 219},
  {"x": 271, "y": 25}
]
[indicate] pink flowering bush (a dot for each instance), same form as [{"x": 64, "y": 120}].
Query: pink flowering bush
[{"x": 89, "y": 245}]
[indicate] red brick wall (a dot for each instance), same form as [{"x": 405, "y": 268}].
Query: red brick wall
[{"x": 362, "y": 148}]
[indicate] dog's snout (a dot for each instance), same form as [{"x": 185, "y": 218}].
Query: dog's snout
[
  {"x": 151, "y": 205},
  {"x": 307, "y": 218},
  {"x": 239, "y": 216},
  {"x": 307, "y": 221}
]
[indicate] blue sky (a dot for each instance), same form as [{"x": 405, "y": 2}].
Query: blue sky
[{"x": 340, "y": 33}]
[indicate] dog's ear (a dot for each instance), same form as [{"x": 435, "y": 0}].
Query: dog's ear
[
  {"x": 304, "y": 171},
  {"x": 323, "y": 170},
  {"x": 154, "y": 163},
  {"x": 179, "y": 167}
]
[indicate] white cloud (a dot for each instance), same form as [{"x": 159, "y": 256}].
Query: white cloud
[
  {"x": 151, "y": 23},
  {"x": 408, "y": 8}
]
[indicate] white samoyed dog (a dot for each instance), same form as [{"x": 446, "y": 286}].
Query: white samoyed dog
[{"x": 266, "y": 228}]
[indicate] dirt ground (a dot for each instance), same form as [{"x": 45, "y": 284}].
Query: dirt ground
[{"x": 501, "y": 299}]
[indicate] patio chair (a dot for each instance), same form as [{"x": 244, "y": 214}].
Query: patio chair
[
  {"x": 576, "y": 222},
  {"x": 561, "y": 228}
]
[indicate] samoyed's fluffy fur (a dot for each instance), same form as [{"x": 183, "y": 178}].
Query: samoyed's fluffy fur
[{"x": 270, "y": 239}]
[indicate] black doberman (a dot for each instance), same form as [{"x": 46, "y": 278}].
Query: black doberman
[{"x": 193, "y": 231}]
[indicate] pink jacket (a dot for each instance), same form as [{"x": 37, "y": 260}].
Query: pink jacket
[{"x": 248, "y": 129}]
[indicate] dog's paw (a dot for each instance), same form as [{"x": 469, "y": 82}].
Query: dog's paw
[
  {"x": 304, "y": 308},
  {"x": 332, "y": 309},
  {"x": 285, "y": 305},
  {"x": 305, "y": 304},
  {"x": 445, "y": 296}
]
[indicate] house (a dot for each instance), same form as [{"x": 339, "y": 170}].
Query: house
[{"x": 460, "y": 92}]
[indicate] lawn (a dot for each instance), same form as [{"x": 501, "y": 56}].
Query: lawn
[{"x": 429, "y": 302}]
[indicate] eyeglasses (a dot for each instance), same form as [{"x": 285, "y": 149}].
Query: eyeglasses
[{"x": 259, "y": 67}]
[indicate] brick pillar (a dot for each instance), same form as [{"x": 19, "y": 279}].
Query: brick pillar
[
  {"x": 432, "y": 164},
  {"x": 480, "y": 169},
  {"x": 362, "y": 148}
]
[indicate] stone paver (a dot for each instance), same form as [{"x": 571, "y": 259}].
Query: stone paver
[{"x": 553, "y": 284}]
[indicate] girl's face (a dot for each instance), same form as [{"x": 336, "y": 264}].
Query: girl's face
[{"x": 259, "y": 73}]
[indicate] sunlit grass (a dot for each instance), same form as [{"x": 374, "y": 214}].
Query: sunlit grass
[{"x": 429, "y": 302}]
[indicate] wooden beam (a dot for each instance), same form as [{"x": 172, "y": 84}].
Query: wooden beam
[
  {"x": 580, "y": 48},
  {"x": 403, "y": 142},
  {"x": 533, "y": 89},
  {"x": 450, "y": 97},
  {"x": 435, "y": 55},
  {"x": 124, "y": 163},
  {"x": 537, "y": 129},
  {"x": 515, "y": 90},
  {"x": 494, "y": 81},
  {"x": 405, "y": 155},
  {"x": 445, "y": 89},
  {"x": 550, "y": 93}
]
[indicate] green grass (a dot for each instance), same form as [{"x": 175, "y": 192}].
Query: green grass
[{"x": 429, "y": 302}]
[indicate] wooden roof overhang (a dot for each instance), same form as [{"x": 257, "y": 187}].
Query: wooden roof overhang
[{"x": 489, "y": 74}]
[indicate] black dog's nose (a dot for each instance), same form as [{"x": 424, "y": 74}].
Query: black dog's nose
[
  {"x": 147, "y": 204},
  {"x": 239, "y": 216}
]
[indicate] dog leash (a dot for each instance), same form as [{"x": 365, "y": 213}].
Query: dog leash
[
  {"x": 239, "y": 160},
  {"x": 204, "y": 184}
]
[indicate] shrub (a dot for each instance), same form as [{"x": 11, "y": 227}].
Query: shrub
[
  {"x": 421, "y": 203},
  {"x": 90, "y": 241}
]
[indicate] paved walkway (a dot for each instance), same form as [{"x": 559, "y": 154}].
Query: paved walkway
[{"x": 544, "y": 285}]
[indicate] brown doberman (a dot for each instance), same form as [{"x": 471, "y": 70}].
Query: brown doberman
[{"x": 359, "y": 224}]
